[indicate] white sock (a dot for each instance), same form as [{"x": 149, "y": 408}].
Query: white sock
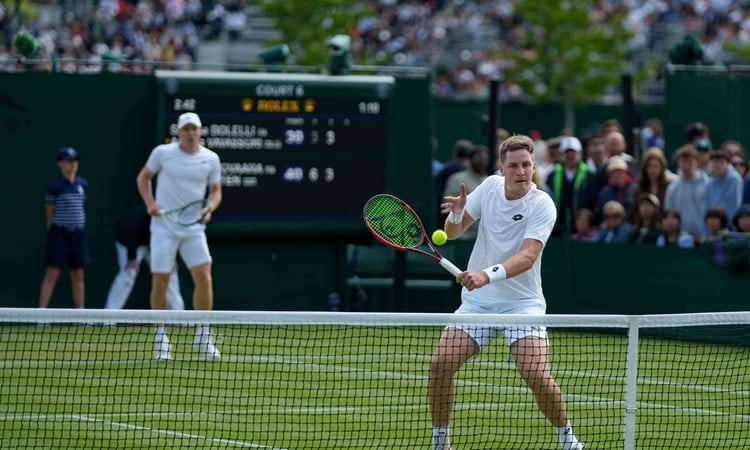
[
  {"x": 161, "y": 333},
  {"x": 202, "y": 331},
  {"x": 439, "y": 437},
  {"x": 567, "y": 438}
]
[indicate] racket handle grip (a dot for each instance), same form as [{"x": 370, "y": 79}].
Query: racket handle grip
[{"x": 450, "y": 267}]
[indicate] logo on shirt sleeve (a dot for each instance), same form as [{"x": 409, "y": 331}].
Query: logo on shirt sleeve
[{"x": 517, "y": 217}]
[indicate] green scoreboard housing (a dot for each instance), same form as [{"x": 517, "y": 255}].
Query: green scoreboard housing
[{"x": 300, "y": 153}]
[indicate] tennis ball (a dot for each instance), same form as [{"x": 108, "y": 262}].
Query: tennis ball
[{"x": 439, "y": 237}]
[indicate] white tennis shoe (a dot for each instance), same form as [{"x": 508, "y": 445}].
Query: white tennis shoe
[
  {"x": 441, "y": 442},
  {"x": 204, "y": 345},
  {"x": 162, "y": 349},
  {"x": 573, "y": 446}
]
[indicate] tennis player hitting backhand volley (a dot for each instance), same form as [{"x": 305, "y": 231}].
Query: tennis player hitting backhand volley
[
  {"x": 503, "y": 277},
  {"x": 185, "y": 170}
]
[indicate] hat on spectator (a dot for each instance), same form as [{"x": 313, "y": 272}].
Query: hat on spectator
[
  {"x": 651, "y": 198},
  {"x": 188, "y": 118},
  {"x": 616, "y": 163},
  {"x": 704, "y": 145},
  {"x": 570, "y": 143},
  {"x": 67, "y": 154}
]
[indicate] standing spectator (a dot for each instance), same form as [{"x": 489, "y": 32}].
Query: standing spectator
[
  {"x": 647, "y": 222},
  {"x": 688, "y": 192},
  {"x": 596, "y": 154},
  {"x": 693, "y": 133},
  {"x": 618, "y": 146},
  {"x": 67, "y": 245},
  {"x": 705, "y": 150},
  {"x": 724, "y": 188},
  {"x": 654, "y": 177},
  {"x": 733, "y": 148},
  {"x": 672, "y": 233},
  {"x": 651, "y": 134},
  {"x": 471, "y": 177},
  {"x": 186, "y": 170},
  {"x": 132, "y": 238},
  {"x": 457, "y": 163},
  {"x": 615, "y": 229},
  {"x": 739, "y": 163},
  {"x": 567, "y": 184},
  {"x": 620, "y": 186}
]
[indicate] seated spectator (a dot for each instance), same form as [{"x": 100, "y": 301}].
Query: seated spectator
[
  {"x": 619, "y": 187},
  {"x": 716, "y": 221},
  {"x": 585, "y": 230},
  {"x": 615, "y": 229},
  {"x": 741, "y": 220},
  {"x": 672, "y": 233},
  {"x": 653, "y": 177},
  {"x": 646, "y": 226}
]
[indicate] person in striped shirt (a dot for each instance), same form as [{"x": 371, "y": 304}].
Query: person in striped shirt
[{"x": 67, "y": 246}]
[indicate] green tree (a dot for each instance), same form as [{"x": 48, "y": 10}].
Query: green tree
[
  {"x": 307, "y": 25},
  {"x": 564, "y": 56}
]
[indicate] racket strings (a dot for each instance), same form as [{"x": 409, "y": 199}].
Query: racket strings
[{"x": 394, "y": 222}]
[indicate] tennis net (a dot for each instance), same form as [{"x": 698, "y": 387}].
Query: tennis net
[{"x": 319, "y": 380}]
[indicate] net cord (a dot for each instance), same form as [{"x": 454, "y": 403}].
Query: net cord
[{"x": 64, "y": 315}]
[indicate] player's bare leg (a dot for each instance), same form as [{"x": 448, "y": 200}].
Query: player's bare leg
[
  {"x": 203, "y": 295},
  {"x": 453, "y": 350},
  {"x": 203, "y": 299},
  {"x": 530, "y": 354},
  {"x": 51, "y": 274},
  {"x": 159, "y": 284},
  {"x": 78, "y": 286}
]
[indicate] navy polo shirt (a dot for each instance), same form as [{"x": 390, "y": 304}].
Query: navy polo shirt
[{"x": 68, "y": 199}]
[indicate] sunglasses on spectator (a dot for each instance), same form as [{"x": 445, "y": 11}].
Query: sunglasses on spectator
[
  {"x": 612, "y": 216},
  {"x": 739, "y": 164}
]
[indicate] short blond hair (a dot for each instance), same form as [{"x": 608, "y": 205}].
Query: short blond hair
[{"x": 513, "y": 143}]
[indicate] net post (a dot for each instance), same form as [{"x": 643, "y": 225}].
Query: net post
[{"x": 631, "y": 384}]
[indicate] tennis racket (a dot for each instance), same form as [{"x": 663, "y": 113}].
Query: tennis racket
[
  {"x": 395, "y": 224},
  {"x": 187, "y": 215}
]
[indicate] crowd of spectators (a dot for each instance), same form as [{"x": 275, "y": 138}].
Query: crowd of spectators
[
  {"x": 462, "y": 41},
  {"x": 146, "y": 34},
  {"x": 603, "y": 193},
  {"x": 465, "y": 40}
]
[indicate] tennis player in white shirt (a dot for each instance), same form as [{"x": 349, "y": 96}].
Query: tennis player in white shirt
[
  {"x": 503, "y": 277},
  {"x": 185, "y": 170}
]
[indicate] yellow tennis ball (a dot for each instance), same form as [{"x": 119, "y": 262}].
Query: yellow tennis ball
[{"x": 439, "y": 237}]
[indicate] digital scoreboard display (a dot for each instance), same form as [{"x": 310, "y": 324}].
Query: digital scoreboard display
[{"x": 293, "y": 148}]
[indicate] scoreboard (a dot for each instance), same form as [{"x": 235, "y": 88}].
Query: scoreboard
[{"x": 299, "y": 152}]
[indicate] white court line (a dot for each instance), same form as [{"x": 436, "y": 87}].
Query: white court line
[
  {"x": 390, "y": 375},
  {"x": 169, "y": 432}
]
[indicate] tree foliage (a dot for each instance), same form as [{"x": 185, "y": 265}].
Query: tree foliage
[
  {"x": 306, "y": 25},
  {"x": 565, "y": 56}
]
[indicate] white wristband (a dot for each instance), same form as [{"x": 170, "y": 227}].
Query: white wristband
[
  {"x": 496, "y": 273},
  {"x": 456, "y": 219}
]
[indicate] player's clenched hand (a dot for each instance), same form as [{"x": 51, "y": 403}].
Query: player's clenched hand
[
  {"x": 153, "y": 209},
  {"x": 472, "y": 280},
  {"x": 456, "y": 204}
]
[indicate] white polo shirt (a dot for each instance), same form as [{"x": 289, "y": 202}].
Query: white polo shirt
[
  {"x": 182, "y": 177},
  {"x": 504, "y": 225}
]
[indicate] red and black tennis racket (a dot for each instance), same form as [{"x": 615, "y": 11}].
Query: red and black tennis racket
[{"x": 395, "y": 224}]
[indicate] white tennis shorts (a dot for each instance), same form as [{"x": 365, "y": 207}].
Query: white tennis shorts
[
  {"x": 484, "y": 335},
  {"x": 167, "y": 241}
]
